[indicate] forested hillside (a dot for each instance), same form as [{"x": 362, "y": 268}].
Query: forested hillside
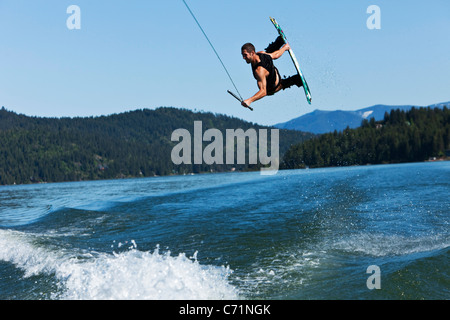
[
  {"x": 411, "y": 136},
  {"x": 131, "y": 144}
]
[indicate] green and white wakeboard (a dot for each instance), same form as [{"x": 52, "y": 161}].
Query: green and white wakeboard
[{"x": 294, "y": 60}]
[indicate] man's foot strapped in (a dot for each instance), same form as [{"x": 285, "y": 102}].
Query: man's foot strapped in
[
  {"x": 289, "y": 82},
  {"x": 276, "y": 45}
]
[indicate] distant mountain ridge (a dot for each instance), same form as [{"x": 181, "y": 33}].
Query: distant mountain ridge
[
  {"x": 416, "y": 135},
  {"x": 319, "y": 121}
]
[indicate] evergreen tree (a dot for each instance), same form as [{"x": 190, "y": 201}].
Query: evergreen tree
[
  {"x": 131, "y": 144},
  {"x": 402, "y": 136}
]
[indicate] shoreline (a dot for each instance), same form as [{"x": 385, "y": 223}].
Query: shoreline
[{"x": 221, "y": 172}]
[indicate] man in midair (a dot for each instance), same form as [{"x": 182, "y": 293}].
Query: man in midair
[{"x": 266, "y": 74}]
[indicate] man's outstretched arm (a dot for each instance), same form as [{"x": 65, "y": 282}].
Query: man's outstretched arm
[{"x": 262, "y": 85}]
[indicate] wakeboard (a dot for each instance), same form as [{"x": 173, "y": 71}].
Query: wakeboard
[{"x": 294, "y": 60}]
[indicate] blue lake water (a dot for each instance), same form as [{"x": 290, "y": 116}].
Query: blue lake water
[{"x": 300, "y": 234}]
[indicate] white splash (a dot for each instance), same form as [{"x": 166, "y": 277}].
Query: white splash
[{"x": 132, "y": 274}]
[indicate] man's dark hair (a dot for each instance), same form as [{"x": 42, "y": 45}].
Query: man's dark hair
[{"x": 248, "y": 47}]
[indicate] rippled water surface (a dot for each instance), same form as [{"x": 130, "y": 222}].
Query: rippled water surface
[{"x": 302, "y": 234}]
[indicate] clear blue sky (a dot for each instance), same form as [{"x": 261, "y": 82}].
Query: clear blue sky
[{"x": 145, "y": 54}]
